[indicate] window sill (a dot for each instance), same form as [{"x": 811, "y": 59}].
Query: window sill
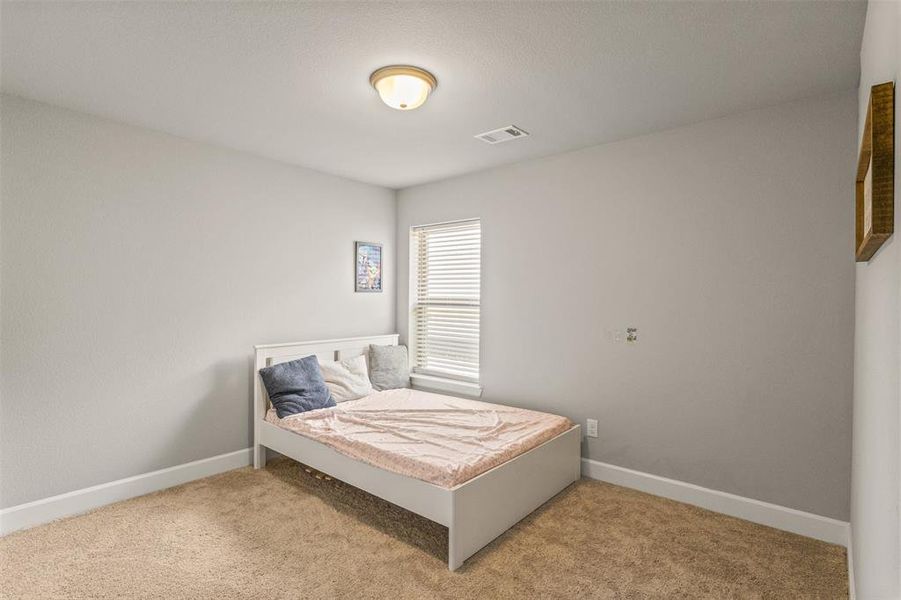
[{"x": 430, "y": 383}]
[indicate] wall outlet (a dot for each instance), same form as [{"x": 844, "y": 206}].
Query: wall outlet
[
  {"x": 592, "y": 429},
  {"x": 632, "y": 335}
]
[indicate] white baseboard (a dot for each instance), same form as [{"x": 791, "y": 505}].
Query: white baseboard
[
  {"x": 756, "y": 511},
  {"x": 49, "y": 509},
  {"x": 826, "y": 529},
  {"x": 852, "y": 595}
]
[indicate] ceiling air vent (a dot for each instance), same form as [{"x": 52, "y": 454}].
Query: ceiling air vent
[{"x": 504, "y": 134}]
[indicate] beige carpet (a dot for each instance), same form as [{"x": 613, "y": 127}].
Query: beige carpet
[{"x": 283, "y": 533}]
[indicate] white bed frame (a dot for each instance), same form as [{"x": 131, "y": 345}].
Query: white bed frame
[{"x": 475, "y": 512}]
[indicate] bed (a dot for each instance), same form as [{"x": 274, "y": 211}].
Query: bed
[{"x": 477, "y": 501}]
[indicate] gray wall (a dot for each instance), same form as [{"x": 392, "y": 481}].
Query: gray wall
[
  {"x": 138, "y": 270},
  {"x": 728, "y": 244},
  {"x": 877, "y": 355}
]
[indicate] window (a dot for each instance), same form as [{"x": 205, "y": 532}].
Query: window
[{"x": 446, "y": 282}]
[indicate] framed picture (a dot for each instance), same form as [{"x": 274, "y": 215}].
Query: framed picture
[
  {"x": 368, "y": 267},
  {"x": 875, "y": 185}
]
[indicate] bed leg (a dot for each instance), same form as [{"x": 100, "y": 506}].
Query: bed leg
[
  {"x": 453, "y": 559},
  {"x": 259, "y": 456}
]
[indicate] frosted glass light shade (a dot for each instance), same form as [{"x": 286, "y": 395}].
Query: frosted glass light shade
[{"x": 403, "y": 87}]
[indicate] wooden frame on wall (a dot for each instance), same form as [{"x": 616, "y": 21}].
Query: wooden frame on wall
[{"x": 875, "y": 185}]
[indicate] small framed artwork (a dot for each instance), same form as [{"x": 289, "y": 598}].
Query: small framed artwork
[
  {"x": 875, "y": 185},
  {"x": 368, "y": 267}
]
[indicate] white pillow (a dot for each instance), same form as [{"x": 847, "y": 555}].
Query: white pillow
[{"x": 346, "y": 379}]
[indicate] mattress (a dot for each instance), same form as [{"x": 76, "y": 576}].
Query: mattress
[{"x": 439, "y": 439}]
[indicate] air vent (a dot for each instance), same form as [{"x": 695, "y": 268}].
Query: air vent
[{"x": 504, "y": 134}]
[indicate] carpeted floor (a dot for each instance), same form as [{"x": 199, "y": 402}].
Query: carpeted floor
[{"x": 283, "y": 533}]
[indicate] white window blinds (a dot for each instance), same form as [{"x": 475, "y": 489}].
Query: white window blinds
[{"x": 446, "y": 311}]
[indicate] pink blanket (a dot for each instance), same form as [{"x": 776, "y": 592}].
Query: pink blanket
[{"x": 439, "y": 439}]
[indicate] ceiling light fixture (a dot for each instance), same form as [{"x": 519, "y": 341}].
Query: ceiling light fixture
[{"x": 403, "y": 87}]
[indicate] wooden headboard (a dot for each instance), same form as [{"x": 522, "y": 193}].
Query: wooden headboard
[{"x": 271, "y": 354}]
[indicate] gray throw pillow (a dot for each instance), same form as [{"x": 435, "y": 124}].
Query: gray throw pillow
[
  {"x": 296, "y": 386},
  {"x": 389, "y": 367}
]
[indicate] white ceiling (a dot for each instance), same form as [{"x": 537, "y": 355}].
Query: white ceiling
[{"x": 290, "y": 81}]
